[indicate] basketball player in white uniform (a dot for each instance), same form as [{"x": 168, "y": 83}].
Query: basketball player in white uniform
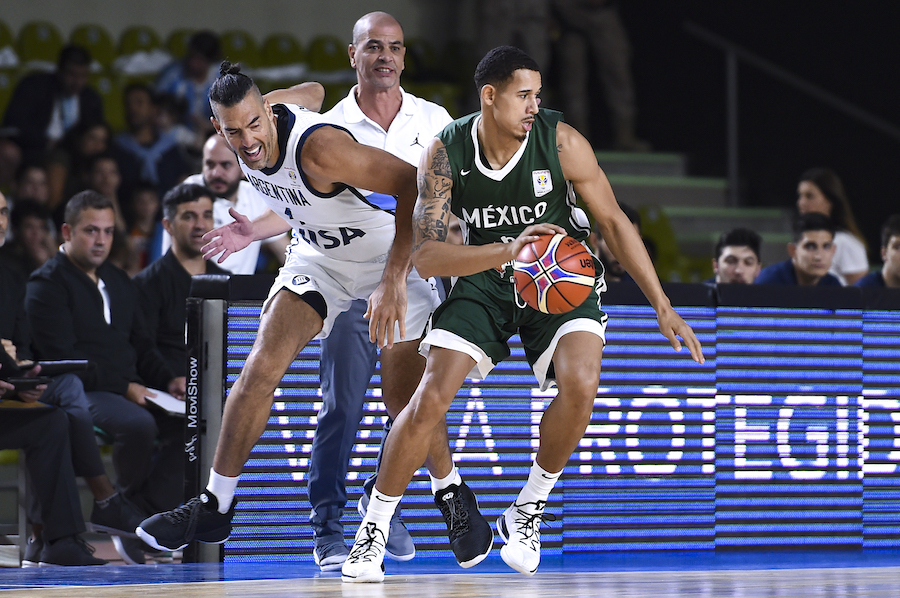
[{"x": 348, "y": 244}]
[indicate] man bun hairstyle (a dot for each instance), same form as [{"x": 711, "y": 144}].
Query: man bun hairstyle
[
  {"x": 498, "y": 65},
  {"x": 231, "y": 86}
]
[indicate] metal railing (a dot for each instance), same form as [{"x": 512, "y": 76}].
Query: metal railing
[{"x": 734, "y": 54}]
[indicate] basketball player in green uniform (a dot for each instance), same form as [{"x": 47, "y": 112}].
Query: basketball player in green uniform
[{"x": 509, "y": 174}]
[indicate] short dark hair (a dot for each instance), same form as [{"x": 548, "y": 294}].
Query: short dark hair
[
  {"x": 206, "y": 44},
  {"x": 142, "y": 87},
  {"x": 73, "y": 54},
  {"x": 812, "y": 222},
  {"x": 739, "y": 237},
  {"x": 498, "y": 65},
  {"x": 891, "y": 228},
  {"x": 85, "y": 200},
  {"x": 183, "y": 193},
  {"x": 231, "y": 86}
]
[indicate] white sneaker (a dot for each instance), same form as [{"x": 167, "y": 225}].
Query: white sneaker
[
  {"x": 520, "y": 527},
  {"x": 365, "y": 563}
]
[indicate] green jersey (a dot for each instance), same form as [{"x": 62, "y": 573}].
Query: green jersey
[{"x": 497, "y": 205}]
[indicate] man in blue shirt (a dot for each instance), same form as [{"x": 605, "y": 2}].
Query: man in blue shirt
[
  {"x": 811, "y": 253},
  {"x": 889, "y": 275}
]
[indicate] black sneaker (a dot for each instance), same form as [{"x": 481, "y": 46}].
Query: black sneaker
[
  {"x": 71, "y": 551},
  {"x": 119, "y": 517},
  {"x": 198, "y": 519},
  {"x": 32, "y": 557},
  {"x": 470, "y": 534},
  {"x": 131, "y": 550}
]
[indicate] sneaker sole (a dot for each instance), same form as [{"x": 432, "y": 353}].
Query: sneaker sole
[
  {"x": 370, "y": 578},
  {"x": 120, "y": 548},
  {"x": 502, "y": 532},
  {"x": 400, "y": 558},
  {"x": 151, "y": 541}
]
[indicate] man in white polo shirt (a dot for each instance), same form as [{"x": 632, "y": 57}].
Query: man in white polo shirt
[{"x": 378, "y": 113}]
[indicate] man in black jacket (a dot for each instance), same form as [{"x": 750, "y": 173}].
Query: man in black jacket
[
  {"x": 166, "y": 283},
  {"x": 45, "y": 105},
  {"x": 81, "y": 307}
]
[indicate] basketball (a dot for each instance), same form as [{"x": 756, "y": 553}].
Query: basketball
[{"x": 554, "y": 274}]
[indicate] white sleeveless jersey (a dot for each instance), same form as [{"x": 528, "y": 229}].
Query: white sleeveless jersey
[{"x": 347, "y": 224}]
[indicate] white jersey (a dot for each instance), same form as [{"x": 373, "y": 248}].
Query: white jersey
[
  {"x": 347, "y": 224},
  {"x": 417, "y": 122}
]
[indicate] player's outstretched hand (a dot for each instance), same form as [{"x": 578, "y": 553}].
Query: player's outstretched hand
[
  {"x": 228, "y": 239},
  {"x": 387, "y": 305},
  {"x": 673, "y": 326},
  {"x": 531, "y": 234}
]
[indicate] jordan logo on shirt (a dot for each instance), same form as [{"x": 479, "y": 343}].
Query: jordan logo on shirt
[{"x": 416, "y": 142}]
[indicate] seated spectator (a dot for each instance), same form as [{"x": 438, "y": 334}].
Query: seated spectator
[
  {"x": 811, "y": 253},
  {"x": 142, "y": 215},
  {"x": 889, "y": 275},
  {"x": 10, "y": 161},
  {"x": 145, "y": 153},
  {"x": 46, "y": 105},
  {"x": 165, "y": 285},
  {"x": 614, "y": 271},
  {"x": 80, "y": 306},
  {"x": 33, "y": 242},
  {"x": 44, "y": 436},
  {"x": 191, "y": 77},
  {"x": 111, "y": 512},
  {"x": 821, "y": 191},
  {"x": 68, "y": 164},
  {"x": 170, "y": 121},
  {"x": 737, "y": 257},
  {"x": 32, "y": 183}
]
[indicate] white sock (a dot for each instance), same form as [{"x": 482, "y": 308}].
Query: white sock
[
  {"x": 222, "y": 487},
  {"x": 381, "y": 509},
  {"x": 540, "y": 483},
  {"x": 438, "y": 484}
]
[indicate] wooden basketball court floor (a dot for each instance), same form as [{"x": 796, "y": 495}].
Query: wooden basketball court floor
[{"x": 832, "y": 574}]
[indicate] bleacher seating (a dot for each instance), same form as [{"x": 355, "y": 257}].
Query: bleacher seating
[{"x": 37, "y": 45}]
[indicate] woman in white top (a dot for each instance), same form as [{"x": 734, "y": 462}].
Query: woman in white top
[{"x": 820, "y": 190}]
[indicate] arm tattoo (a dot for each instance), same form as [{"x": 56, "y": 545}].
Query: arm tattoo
[{"x": 432, "y": 213}]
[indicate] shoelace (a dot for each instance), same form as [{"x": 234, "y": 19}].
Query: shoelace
[
  {"x": 528, "y": 522},
  {"x": 367, "y": 547},
  {"x": 84, "y": 545},
  {"x": 456, "y": 514},
  {"x": 189, "y": 512}
]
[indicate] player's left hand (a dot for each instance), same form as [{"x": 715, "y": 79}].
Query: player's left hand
[
  {"x": 673, "y": 326},
  {"x": 387, "y": 306}
]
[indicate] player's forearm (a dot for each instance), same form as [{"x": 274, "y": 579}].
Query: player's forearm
[
  {"x": 269, "y": 225},
  {"x": 626, "y": 244},
  {"x": 437, "y": 258}
]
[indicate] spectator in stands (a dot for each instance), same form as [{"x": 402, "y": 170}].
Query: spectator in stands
[
  {"x": 111, "y": 512},
  {"x": 165, "y": 285},
  {"x": 44, "y": 436},
  {"x": 737, "y": 257},
  {"x": 821, "y": 191},
  {"x": 32, "y": 240},
  {"x": 811, "y": 253},
  {"x": 32, "y": 183},
  {"x": 889, "y": 275},
  {"x": 80, "y": 306},
  {"x": 614, "y": 271},
  {"x": 10, "y": 160},
  {"x": 46, "y": 105},
  {"x": 142, "y": 213},
  {"x": 191, "y": 77},
  {"x": 145, "y": 153},
  {"x": 68, "y": 164},
  {"x": 222, "y": 174}
]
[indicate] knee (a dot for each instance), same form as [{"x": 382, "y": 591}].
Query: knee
[{"x": 428, "y": 405}]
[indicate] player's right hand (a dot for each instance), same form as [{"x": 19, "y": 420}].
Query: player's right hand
[
  {"x": 229, "y": 238},
  {"x": 531, "y": 234}
]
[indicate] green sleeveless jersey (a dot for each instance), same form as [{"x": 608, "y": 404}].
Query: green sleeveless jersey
[{"x": 497, "y": 205}]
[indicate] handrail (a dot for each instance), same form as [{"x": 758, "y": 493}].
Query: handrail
[{"x": 735, "y": 52}]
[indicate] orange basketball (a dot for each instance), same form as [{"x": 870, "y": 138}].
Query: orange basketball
[{"x": 554, "y": 274}]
